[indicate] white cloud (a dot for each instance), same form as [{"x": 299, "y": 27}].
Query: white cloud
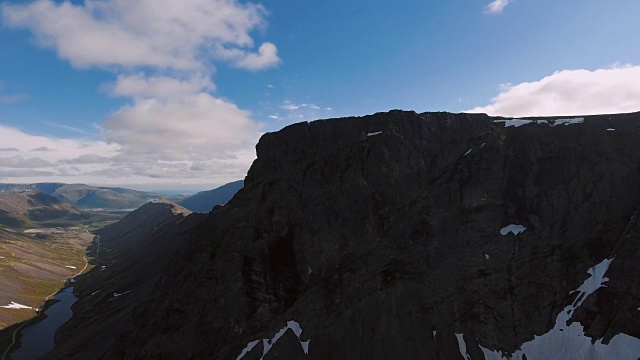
[
  {"x": 19, "y": 162},
  {"x": 189, "y": 127},
  {"x": 266, "y": 57},
  {"x": 288, "y": 105},
  {"x": 140, "y": 86},
  {"x": 103, "y": 163},
  {"x": 163, "y": 54},
  {"x": 43, "y": 148},
  {"x": 496, "y": 6},
  {"x": 58, "y": 149},
  {"x": 570, "y": 92},
  {"x": 169, "y": 34}
]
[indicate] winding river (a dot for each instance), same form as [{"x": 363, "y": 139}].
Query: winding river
[{"x": 38, "y": 338}]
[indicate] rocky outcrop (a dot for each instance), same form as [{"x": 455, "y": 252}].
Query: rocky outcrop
[{"x": 407, "y": 236}]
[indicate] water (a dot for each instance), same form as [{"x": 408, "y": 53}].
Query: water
[{"x": 38, "y": 339}]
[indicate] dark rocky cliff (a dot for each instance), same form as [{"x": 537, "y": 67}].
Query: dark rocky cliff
[{"x": 385, "y": 237}]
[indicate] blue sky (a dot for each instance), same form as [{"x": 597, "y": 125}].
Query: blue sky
[{"x": 159, "y": 94}]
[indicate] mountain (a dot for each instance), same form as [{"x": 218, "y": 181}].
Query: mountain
[
  {"x": 129, "y": 258},
  {"x": 204, "y": 201},
  {"x": 397, "y": 236},
  {"x": 21, "y": 209},
  {"x": 85, "y": 196}
]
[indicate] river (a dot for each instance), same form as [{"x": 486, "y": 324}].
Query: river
[{"x": 38, "y": 338}]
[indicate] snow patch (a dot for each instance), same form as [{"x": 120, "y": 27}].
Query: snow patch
[
  {"x": 486, "y": 256},
  {"x": 267, "y": 344},
  {"x": 569, "y": 341},
  {"x": 555, "y": 122},
  {"x": 434, "y": 334},
  {"x": 115, "y": 294},
  {"x": 611, "y": 129},
  {"x": 467, "y": 153},
  {"x": 374, "y": 133},
  {"x": 462, "y": 347},
  {"x": 247, "y": 349},
  {"x": 514, "y": 122},
  {"x": 513, "y": 228},
  {"x": 15, "y": 305},
  {"x": 483, "y": 144},
  {"x": 568, "y": 121}
]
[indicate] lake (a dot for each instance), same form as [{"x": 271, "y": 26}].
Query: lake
[{"x": 38, "y": 338}]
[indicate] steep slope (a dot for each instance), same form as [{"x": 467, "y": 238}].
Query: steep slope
[
  {"x": 20, "y": 209},
  {"x": 413, "y": 236},
  {"x": 86, "y": 196},
  {"x": 204, "y": 201},
  {"x": 130, "y": 257}
]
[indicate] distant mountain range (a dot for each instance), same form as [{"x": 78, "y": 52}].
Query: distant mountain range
[
  {"x": 20, "y": 209},
  {"x": 204, "y": 201},
  {"x": 86, "y": 196}
]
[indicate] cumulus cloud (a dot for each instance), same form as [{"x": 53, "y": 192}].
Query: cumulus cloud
[
  {"x": 162, "y": 53},
  {"x": 266, "y": 57},
  {"x": 140, "y": 86},
  {"x": 59, "y": 149},
  {"x": 570, "y": 92},
  {"x": 496, "y": 6},
  {"x": 181, "y": 128},
  {"x": 171, "y": 34}
]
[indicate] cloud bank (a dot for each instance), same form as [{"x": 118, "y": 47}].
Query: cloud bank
[
  {"x": 163, "y": 55},
  {"x": 570, "y": 92},
  {"x": 168, "y": 34}
]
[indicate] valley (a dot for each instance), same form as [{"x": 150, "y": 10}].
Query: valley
[
  {"x": 47, "y": 244},
  {"x": 43, "y": 243}
]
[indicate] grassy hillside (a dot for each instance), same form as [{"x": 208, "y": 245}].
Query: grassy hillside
[{"x": 34, "y": 265}]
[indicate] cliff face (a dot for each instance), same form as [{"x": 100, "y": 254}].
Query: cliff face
[{"x": 410, "y": 236}]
